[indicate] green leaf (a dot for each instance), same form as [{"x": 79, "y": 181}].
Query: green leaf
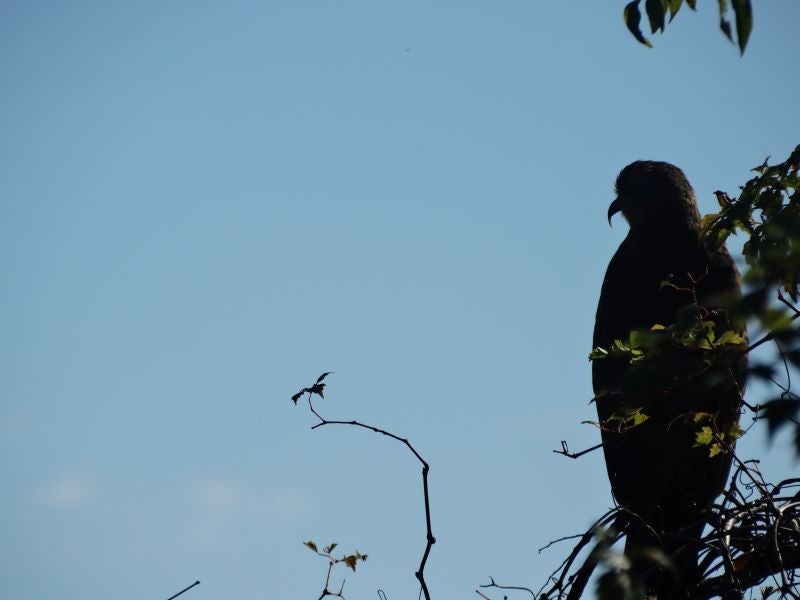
[
  {"x": 732, "y": 338},
  {"x": 598, "y": 353},
  {"x": 744, "y": 22},
  {"x": 656, "y": 12},
  {"x": 704, "y": 437},
  {"x": 714, "y": 450},
  {"x": 692, "y": 4},
  {"x": 674, "y": 7},
  {"x": 620, "y": 346},
  {"x": 637, "y": 419},
  {"x": 734, "y": 431},
  {"x": 722, "y": 199},
  {"x": 633, "y": 17}
]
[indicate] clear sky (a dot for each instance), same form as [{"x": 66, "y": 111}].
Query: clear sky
[{"x": 204, "y": 205}]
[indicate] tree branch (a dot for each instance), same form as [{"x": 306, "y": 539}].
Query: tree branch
[{"x": 429, "y": 537}]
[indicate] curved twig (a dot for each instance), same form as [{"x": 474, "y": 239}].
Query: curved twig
[{"x": 429, "y": 537}]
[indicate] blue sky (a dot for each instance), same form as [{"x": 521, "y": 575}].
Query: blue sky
[{"x": 205, "y": 205}]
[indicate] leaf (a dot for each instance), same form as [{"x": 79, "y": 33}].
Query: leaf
[
  {"x": 744, "y": 22},
  {"x": 734, "y": 431},
  {"x": 732, "y": 338},
  {"x": 311, "y": 545},
  {"x": 329, "y": 549},
  {"x": 637, "y": 419},
  {"x": 633, "y": 17},
  {"x": 620, "y": 346},
  {"x": 780, "y": 412},
  {"x": 674, "y": 7},
  {"x": 296, "y": 397},
  {"x": 725, "y": 26},
  {"x": 704, "y": 437},
  {"x": 762, "y": 371},
  {"x": 656, "y": 13},
  {"x": 323, "y": 376},
  {"x": 714, "y": 450},
  {"x": 318, "y": 388}
]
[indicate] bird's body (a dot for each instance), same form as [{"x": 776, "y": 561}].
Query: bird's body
[{"x": 662, "y": 267}]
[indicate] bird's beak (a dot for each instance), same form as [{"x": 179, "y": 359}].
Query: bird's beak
[{"x": 615, "y": 207}]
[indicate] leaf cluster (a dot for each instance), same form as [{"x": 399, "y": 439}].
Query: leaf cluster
[
  {"x": 767, "y": 212},
  {"x": 351, "y": 560},
  {"x": 317, "y": 388},
  {"x": 661, "y": 12},
  {"x": 667, "y": 358}
]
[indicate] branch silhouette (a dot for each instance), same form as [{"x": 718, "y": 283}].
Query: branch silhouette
[
  {"x": 186, "y": 589},
  {"x": 318, "y": 389}
]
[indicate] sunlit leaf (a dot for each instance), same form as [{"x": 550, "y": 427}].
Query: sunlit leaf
[
  {"x": 674, "y": 7},
  {"x": 704, "y": 437},
  {"x": 731, "y": 337}
]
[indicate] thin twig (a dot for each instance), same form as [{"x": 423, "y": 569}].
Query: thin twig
[
  {"x": 565, "y": 450},
  {"x": 430, "y": 539},
  {"x": 561, "y": 539},
  {"x": 186, "y": 589},
  {"x": 492, "y": 584}
]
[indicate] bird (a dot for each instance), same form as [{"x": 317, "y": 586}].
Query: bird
[{"x": 665, "y": 275}]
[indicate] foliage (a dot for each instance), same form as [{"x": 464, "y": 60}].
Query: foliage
[
  {"x": 754, "y": 534},
  {"x": 767, "y": 211},
  {"x": 661, "y": 12},
  {"x": 699, "y": 348},
  {"x": 350, "y": 560}
]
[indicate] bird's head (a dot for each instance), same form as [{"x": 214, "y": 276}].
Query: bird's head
[{"x": 655, "y": 197}]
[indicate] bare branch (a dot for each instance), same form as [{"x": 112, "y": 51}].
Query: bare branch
[
  {"x": 492, "y": 584},
  {"x": 430, "y": 539},
  {"x": 186, "y": 589},
  {"x": 565, "y": 450}
]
